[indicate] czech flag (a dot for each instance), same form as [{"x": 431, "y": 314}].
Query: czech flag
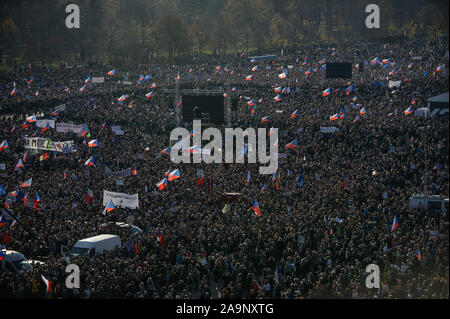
[
  {"x": 277, "y": 98},
  {"x": 4, "y": 145},
  {"x": 38, "y": 199},
  {"x": 251, "y": 103},
  {"x": 265, "y": 119},
  {"x": 162, "y": 184},
  {"x": 14, "y": 92},
  {"x": 440, "y": 68},
  {"x": 263, "y": 189},
  {"x": 31, "y": 119},
  {"x": 386, "y": 61},
  {"x": 394, "y": 224},
  {"x": 168, "y": 173},
  {"x": 84, "y": 130},
  {"x": 255, "y": 68},
  {"x": 409, "y": 111},
  {"x": 249, "y": 77},
  {"x": 19, "y": 164},
  {"x": 109, "y": 208},
  {"x": 375, "y": 61},
  {"x": 271, "y": 131},
  {"x": 260, "y": 101},
  {"x": 153, "y": 85},
  {"x": 55, "y": 113},
  {"x": 90, "y": 162},
  {"x": 147, "y": 149},
  {"x": 47, "y": 283},
  {"x": 256, "y": 208},
  {"x": 174, "y": 175},
  {"x": 349, "y": 90},
  {"x": 326, "y": 92},
  {"x": 363, "y": 111},
  {"x": 282, "y": 75},
  {"x": 112, "y": 72},
  {"x": 356, "y": 119},
  {"x": 277, "y": 89},
  {"x": 149, "y": 95},
  {"x": 134, "y": 170},
  {"x": 292, "y": 144},
  {"x": 159, "y": 236},
  {"x": 2, "y": 221},
  {"x": 26, "y": 183},
  {"x": 83, "y": 89},
  {"x": 93, "y": 143},
  {"x": 123, "y": 98},
  {"x": 293, "y": 115},
  {"x": 247, "y": 181},
  {"x": 25, "y": 125},
  {"x": 309, "y": 72},
  {"x": 166, "y": 151},
  {"x": 45, "y": 128},
  {"x": 334, "y": 117}
]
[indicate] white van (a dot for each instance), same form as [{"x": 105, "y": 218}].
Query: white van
[
  {"x": 92, "y": 246},
  {"x": 436, "y": 202}
]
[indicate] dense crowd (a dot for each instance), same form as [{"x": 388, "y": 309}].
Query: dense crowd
[{"x": 313, "y": 241}]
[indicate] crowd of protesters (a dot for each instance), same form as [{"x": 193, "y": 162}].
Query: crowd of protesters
[{"x": 311, "y": 241}]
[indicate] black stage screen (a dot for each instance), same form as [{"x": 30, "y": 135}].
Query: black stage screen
[
  {"x": 214, "y": 105},
  {"x": 339, "y": 70}
]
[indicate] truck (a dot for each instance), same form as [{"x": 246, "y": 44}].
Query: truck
[{"x": 427, "y": 202}]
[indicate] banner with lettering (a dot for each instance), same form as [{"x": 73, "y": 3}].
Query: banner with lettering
[
  {"x": 68, "y": 128},
  {"x": 121, "y": 199},
  {"x": 45, "y": 144}
]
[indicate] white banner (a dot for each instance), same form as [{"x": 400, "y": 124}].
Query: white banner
[
  {"x": 43, "y": 123},
  {"x": 394, "y": 84},
  {"x": 68, "y": 128},
  {"x": 45, "y": 144},
  {"x": 329, "y": 129},
  {"x": 98, "y": 80},
  {"x": 121, "y": 199},
  {"x": 127, "y": 82}
]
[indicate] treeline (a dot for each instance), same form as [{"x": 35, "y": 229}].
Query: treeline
[{"x": 142, "y": 30}]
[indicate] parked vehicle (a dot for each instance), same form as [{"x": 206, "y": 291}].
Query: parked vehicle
[
  {"x": 427, "y": 202},
  {"x": 92, "y": 246},
  {"x": 14, "y": 262},
  {"x": 119, "y": 228}
]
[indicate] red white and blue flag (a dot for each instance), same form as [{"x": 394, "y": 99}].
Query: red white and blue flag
[
  {"x": 255, "y": 208},
  {"x": 394, "y": 224}
]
